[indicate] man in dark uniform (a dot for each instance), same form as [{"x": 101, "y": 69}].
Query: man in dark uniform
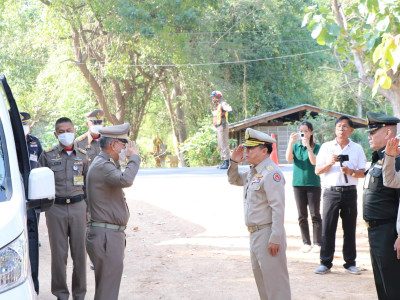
[
  {"x": 108, "y": 209},
  {"x": 33, "y": 215},
  {"x": 380, "y": 206},
  {"x": 90, "y": 140},
  {"x": 66, "y": 219}
]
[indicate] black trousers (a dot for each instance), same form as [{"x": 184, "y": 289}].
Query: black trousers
[
  {"x": 345, "y": 205},
  {"x": 385, "y": 264},
  {"x": 309, "y": 196}
]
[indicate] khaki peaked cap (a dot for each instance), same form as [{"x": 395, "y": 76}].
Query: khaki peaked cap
[
  {"x": 97, "y": 114},
  {"x": 376, "y": 121},
  {"x": 256, "y": 138},
  {"x": 116, "y": 131}
]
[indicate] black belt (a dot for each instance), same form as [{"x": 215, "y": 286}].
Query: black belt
[
  {"x": 68, "y": 200},
  {"x": 375, "y": 223},
  {"x": 341, "y": 188}
]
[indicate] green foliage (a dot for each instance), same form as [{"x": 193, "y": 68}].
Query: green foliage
[
  {"x": 372, "y": 30},
  {"x": 202, "y": 149}
]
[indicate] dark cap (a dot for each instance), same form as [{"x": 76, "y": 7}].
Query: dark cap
[
  {"x": 25, "y": 118},
  {"x": 97, "y": 114},
  {"x": 256, "y": 138},
  {"x": 117, "y": 131},
  {"x": 376, "y": 121}
]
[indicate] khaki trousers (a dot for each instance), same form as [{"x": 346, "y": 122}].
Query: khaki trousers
[
  {"x": 106, "y": 250},
  {"x": 271, "y": 273},
  {"x": 223, "y": 141},
  {"x": 67, "y": 224}
]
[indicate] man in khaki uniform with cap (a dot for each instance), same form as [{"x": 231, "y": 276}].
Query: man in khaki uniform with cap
[
  {"x": 108, "y": 210},
  {"x": 66, "y": 219},
  {"x": 264, "y": 208},
  {"x": 90, "y": 140}
]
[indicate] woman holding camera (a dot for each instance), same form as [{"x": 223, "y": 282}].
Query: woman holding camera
[{"x": 303, "y": 150}]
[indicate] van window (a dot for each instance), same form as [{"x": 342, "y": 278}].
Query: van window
[{"x": 5, "y": 180}]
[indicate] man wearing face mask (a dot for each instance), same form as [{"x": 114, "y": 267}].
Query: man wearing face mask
[
  {"x": 33, "y": 215},
  {"x": 90, "y": 140},
  {"x": 108, "y": 209},
  {"x": 66, "y": 219}
]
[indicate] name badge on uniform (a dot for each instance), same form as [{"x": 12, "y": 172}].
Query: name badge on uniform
[
  {"x": 33, "y": 157},
  {"x": 78, "y": 180},
  {"x": 33, "y": 144},
  {"x": 55, "y": 162}
]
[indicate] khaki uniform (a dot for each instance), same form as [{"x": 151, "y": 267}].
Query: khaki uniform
[
  {"x": 90, "y": 145},
  {"x": 264, "y": 208},
  {"x": 108, "y": 208},
  {"x": 66, "y": 220}
]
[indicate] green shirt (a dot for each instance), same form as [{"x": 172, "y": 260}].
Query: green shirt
[{"x": 303, "y": 170}]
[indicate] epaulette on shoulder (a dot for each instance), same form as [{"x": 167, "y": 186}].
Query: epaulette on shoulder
[
  {"x": 81, "y": 138},
  {"x": 50, "y": 149},
  {"x": 81, "y": 150}
]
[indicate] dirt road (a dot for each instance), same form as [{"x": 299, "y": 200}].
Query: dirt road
[{"x": 186, "y": 240}]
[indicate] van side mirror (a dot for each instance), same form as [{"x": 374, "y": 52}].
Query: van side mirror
[{"x": 41, "y": 189}]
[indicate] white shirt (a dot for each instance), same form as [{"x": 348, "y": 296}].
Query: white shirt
[{"x": 334, "y": 177}]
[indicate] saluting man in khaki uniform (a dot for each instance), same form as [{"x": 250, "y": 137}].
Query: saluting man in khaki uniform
[
  {"x": 108, "y": 210},
  {"x": 264, "y": 208},
  {"x": 66, "y": 220},
  {"x": 90, "y": 140}
]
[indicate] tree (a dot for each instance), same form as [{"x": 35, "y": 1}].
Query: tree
[{"x": 366, "y": 35}]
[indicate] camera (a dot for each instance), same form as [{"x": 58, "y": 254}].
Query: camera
[
  {"x": 343, "y": 157},
  {"x": 302, "y": 135}
]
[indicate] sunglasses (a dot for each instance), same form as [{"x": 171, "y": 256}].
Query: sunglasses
[{"x": 97, "y": 122}]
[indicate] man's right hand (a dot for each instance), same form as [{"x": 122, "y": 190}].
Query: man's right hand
[
  {"x": 132, "y": 148},
  {"x": 392, "y": 147},
  {"x": 237, "y": 154}
]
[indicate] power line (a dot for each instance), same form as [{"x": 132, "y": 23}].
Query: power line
[{"x": 228, "y": 62}]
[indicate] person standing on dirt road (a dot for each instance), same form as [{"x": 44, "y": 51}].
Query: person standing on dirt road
[
  {"x": 66, "y": 219},
  {"x": 381, "y": 204},
  {"x": 340, "y": 163},
  {"x": 264, "y": 204},
  {"x": 220, "y": 113},
  {"x": 108, "y": 209}
]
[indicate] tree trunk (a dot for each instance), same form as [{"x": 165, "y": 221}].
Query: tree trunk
[
  {"x": 168, "y": 96},
  {"x": 359, "y": 100},
  {"x": 180, "y": 114}
]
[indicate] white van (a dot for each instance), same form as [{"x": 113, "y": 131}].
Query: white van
[{"x": 20, "y": 190}]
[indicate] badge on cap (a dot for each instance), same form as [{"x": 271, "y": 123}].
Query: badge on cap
[{"x": 276, "y": 177}]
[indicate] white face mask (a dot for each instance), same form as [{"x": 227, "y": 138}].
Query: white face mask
[
  {"x": 66, "y": 138},
  {"x": 26, "y": 129},
  {"x": 95, "y": 128},
  {"x": 122, "y": 155}
]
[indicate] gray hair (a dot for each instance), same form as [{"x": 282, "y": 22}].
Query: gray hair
[{"x": 105, "y": 141}]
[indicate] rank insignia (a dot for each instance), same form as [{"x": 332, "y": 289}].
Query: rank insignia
[
  {"x": 276, "y": 177},
  {"x": 270, "y": 168}
]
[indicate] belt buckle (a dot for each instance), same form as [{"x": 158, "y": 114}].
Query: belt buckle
[
  {"x": 250, "y": 229},
  {"x": 368, "y": 226},
  {"x": 68, "y": 201}
]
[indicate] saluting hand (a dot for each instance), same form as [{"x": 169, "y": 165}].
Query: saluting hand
[
  {"x": 392, "y": 147},
  {"x": 132, "y": 148},
  {"x": 237, "y": 154}
]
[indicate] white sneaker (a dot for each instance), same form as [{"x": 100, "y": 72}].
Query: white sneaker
[
  {"x": 316, "y": 249},
  {"x": 305, "y": 248}
]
